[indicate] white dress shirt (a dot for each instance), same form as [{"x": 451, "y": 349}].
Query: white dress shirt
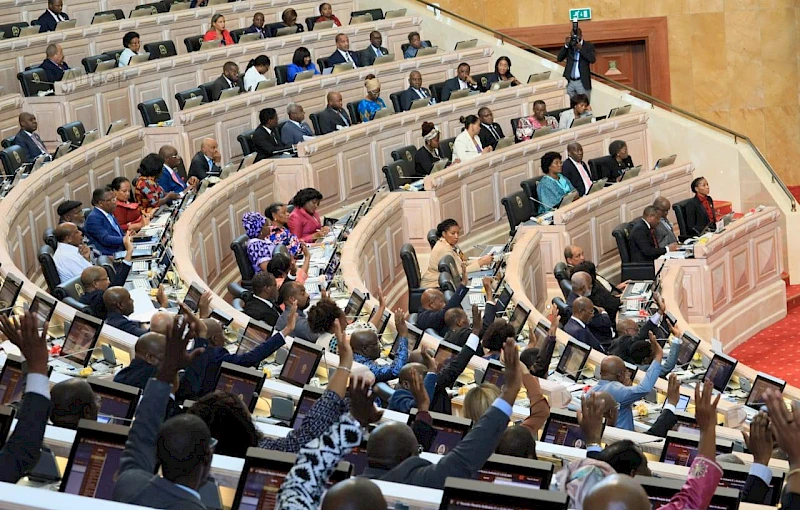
[
  {"x": 466, "y": 147},
  {"x": 69, "y": 261},
  {"x": 252, "y": 78},
  {"x": 347, "y": 57}
]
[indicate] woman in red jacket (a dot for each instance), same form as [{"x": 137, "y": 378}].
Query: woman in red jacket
[
  {"x": 304, "y": 221},
  {"x": 127, "y": 212},
  {"x": 218, "y": 32}
]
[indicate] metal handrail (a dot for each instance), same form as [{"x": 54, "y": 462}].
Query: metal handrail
[{"x": 650, "y": 99}]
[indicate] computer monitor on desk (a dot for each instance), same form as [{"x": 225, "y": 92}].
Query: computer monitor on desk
[
  {"x": 734, "y": 476},
  {"x": 301, "y": 363},
  {"x": 44, "y": 306},
  {"x": 573, "y": 359},
  {"x": 118, "y": 401},
  {"x": 307, "y": 400},
  {"x": 9, "y": 293},
  {"x": 467, "y": 494},
  {"x": 81, "y": 339},
  {"x": 688, "y": 347},
  {"x": 355, "y": 304},
  {"x": 681, "y": 449},
  {"x": 11, "y": 377},
  {"x": 516, "y": 472},
  {"x": 660, "y": 491},
  {"x": 445, "y": 353},
  {"x": 720, "y": 371},
  {"x": 562, "y": 428},
  {"x": 503, "y": 300},
  {"x": 192, "y": 298},
  {"x": 763, "y": 381},
  {"x": 449, "y": 430},
  {"x": 244, "y": 382},
  {"x": 519, "y": 318},
  {"x": 94, "y": 459},
  {"x": 494, "y": 374},
  {"x": 255, "y": 334}
]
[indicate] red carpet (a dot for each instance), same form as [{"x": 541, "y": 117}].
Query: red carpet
[{"x": 775, "y": 350}]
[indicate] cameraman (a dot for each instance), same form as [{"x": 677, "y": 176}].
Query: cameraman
[{"x": 579, "y": 55}]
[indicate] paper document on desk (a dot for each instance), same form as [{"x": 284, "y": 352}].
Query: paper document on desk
[
  {"x": 675, "y": 255},
  {"x": 160, "y": 221},
  {"x": 143, "y": 308},
  {"x": 10, "y": 348}
]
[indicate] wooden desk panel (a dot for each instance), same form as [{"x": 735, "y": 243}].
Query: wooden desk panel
[{"x": 10, "y": 108}]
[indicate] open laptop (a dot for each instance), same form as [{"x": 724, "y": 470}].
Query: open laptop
[
  {"x": 568, "y": 199},
  {"x": 542, "y": 131},
  {"x": 622, "y": 110},
  {"x": 466, "y": 45},
  {"x": 499, "y": 494},
  {"x": 192, "y": 102},
  {"x": 342, "y": 68},
  {"x": 255, "y": 334},
  {"x": 246, "y": 38},
  {"x": 79, "y": 342},
  {"x": 269, "y": 82},
  {"x": 94, "y": 459},
  {"x": 248, "y": 160},
  {"x": 44, "y": 307},
  {"x": 504, "y": 142},
  {"x": 71, "y": 74},
  {"x": 305, "y": 75},
  {"x": 103, "y": 18},
  {"x": 539, "y": 77},
  {"x": 117, "y": 125},
  {"x": 105, "y": 65},
  {"x": 502, "y": 84},
  {"x": 9, "y": 293},
  {"x": 420, "y": 103},
  {"x": 562, "y": 428},
  {"x": 117, "y": 401},
  {"x": 209, "y": 45},
  {"x": 62, "y": 150},
  {"x": 286, "y": 31},
  {"x": 458, "y": 94},
  {"x": 139, "y": 59},
  {"x": 597, "y": 186},
  {"x": 440, "y": 165},
  {"x": 382, "y": 113},
  {"x": 384, "y": 59},
  {"x": 663, "y": 162},
  {"x": 449, "y": 430},
  {"x": 244, "y": 382},
  {"x": 397, "y": 13},
  {"x": 228, "y": 93},
  {"x": 573, "y": 359},
  {"x": 424, "y": 52},
  {"x": 504, "y": 470},
  {"x": 66, "y": 25},
  {"x": 90, "y": 136},
  {"x": 323, "y": 25},
  {"x": 26, "y": 31},
  {"x": 631, "y": 173},
  {"x": 582, "y": 121},
  {"x": 301, "y": 363}
]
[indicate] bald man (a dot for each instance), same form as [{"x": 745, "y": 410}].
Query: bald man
[
  {"x": 73, "y": 400},
  {"x": 28, "y": 138},
  {"x": 617, "y": 492},
  {"x": 119, "y": 305},
  {"x": 600, "y": 324},
  {"x": 334, "y": 116},
  {"x": 72, "y": 255},
  {"x": 95, "y": 280},
  {"x": 576, "y": 170},
  {"x": 171, "y": 178},
  {"x": 402, "y": 400},
  {"x": 434, "y": 307},
  {"x": 206, "y": 162},
  {"x": 149, "y": 353},
  {"x": 665, "y": 232},
  {"x": 577, "y": 325},
  {"x": 457, "y": 322},
  {"x": 354, "y": 494},
  {"x": 367, "y": 349}
]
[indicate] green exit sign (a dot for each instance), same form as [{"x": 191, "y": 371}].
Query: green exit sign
[{"x": 580, "y": 14}]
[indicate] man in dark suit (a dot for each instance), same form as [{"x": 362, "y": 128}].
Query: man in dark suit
[
  {"x": 261, "y": 306},
  {"x": 576, "y": 170},
  {"x": 393, "y": 449},
  {"x": 576, "y": 326},
  {"x": 182, "y": 445},
  {"x": 642, "y": 238},
  {"x": 49, "y": 18},
  {"x": 149, "y": 351},
  {"x": 665, "y": 233},
  {"x": 600, "y": 324},
  {"x": 54, "y": 65},
  {"x": 22, "y": 450},
  {"x": 490, "y": 132},
  {"x": 343, "y": 54},
  {"x": 334, "y": 116},
  {"x": 119, "y": 305},
  {"x": 457, "y": 322},
  {"x": 228, "y": 80},
  {"x": 415, "y": 91},
  {"x": 462, "y": 81},
  {"x": 258, "y": 26},
  {"x": 266, "y": 139},
  {"x": 434, "y": 307},
  {"x": 374, "y": 50},
  {"x": 295, "y": 130},
  {"x": 579, "y": 54},
  {"x": 101, "y": 227},
  {"x": 28, "y": 138},
  {"x": 206, "y": 161},
  {"x": 171, "y": 179},
  {"x": 95, "y": 281}
]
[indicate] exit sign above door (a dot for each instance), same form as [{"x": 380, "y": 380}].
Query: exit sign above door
[{"x": 580, "y": 14}]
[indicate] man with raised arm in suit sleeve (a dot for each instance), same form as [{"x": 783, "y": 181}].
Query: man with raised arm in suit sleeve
[
  {"x": 490, "y": 132},
  {"x": 54, "y": 64},
  {"x": 101, "y": 227},
  {"x": 343, "y": 54},
  {"x": 334, "y": 116},
  {"x": 414, "y": 91},
  {"x": 295, "y": 130},
  {"x": 576, "y": 170},
  {"x": 28, "y": 138},
  {"x": 206, "y": 161},
  {"x": 374, "y": 50},
  {"x": 643, "y": 240},
  {"x": 52, "y": 16},
  {"x": 582, "y": 312}
]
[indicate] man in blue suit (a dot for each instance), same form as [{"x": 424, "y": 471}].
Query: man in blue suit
[
  {"x": 28, "y": 138},
  {"x": 50, "y": 18},
  {"x": 582, "y": 312},
  {"x": 54, "y": 65},
  {"x": 294, "y": 131},
  {"x": 170, "y": 180},
  {"x": 101, "y": 227},
  {"x": 343, "y": 53}
]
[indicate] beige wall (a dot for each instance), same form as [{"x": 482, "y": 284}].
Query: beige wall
[{"x": 734, "y": 62}]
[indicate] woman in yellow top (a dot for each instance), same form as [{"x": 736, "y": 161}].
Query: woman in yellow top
[{"x": 448, "y": 233}]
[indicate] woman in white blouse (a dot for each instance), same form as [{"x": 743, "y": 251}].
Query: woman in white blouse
[
  {"x": 255, "y": 72},
  {"x": 467, "y": 145},
  {"x": 132, "y": 44}
]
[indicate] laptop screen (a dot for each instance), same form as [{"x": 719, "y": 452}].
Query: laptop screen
[
  {"x": 573, "y": 359},
  {"x": 681, "y": 449},
  {"x": 515, "y": 471},
  {"x": 720, "y": 371},
  {"x": 355, "y": 304},
  {"x": 308, "y": 398},
  {"x": 117, "y": 401},
  {"x": 519, "y": 317},
  {"x": 756, "y": 397},
  {"x": 11, "y": 380},
  {"x": 687, "y": 348},
  {"x": 81, "y": 338},
  {"x": 9, "y": 292},
  {"x": 494, "y": 374},
  {"x": 255, "y": 334},
  {"x": 449, "y": 431},
  {"x": 445, "y": 353},
  {"x": 44, "y": 306},
  {"x": 246, "y": 383},
  {"x": 94, "y": 460},
  {"x": 504, "y": 299},
  {"x": 192, "y": 299},
  {"x": 333, "y": 265},
  {"x": 562, "y": 428},
  {"x": 301, "y": 363},
  {"x": 460, "y": 494}
]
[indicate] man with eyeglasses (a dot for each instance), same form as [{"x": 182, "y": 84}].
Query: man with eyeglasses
[
  {"x": 171, "y": 179},
  {"x": 101, "y": 227},
  {"x": 665, "y": 234},
  {"x": 95, "y": 280}
]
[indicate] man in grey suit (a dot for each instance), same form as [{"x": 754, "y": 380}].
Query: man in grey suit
[
  {"x": 665, "y": 234},
  {"x": 21, "y": 452},
  {"x": 183, "y": 445},
  {"x": 295, "y": 130},
  {"x": 414, "y": 91},
  {"x": 374, "y": 50}
]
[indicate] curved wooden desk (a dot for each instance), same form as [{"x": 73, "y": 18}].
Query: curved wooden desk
[
  {"x": 10, "y": 108},
  {"x": 12, "y": 11}
]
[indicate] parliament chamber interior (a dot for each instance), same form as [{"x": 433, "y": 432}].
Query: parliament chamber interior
[{"x": 270, "y": 254}]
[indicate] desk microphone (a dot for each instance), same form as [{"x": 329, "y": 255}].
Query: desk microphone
[
  {"x": 660, "y": 439},
  {"x": 542, "y": 203}
]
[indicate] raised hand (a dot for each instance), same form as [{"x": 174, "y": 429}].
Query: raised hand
[
  {"x": 512, "y": 371},
  {"x": 204, "y": 304},
  {"x": 362, "y": 404},
  {"x": 175, "y": 355},
  {"x": 785, "y": 425},
  {"x": 673, "y": 389},
  {"x": 26, "y": 336},
  {"x": 655, "y": 347},
  {"x": 197, "y": 328},
  {"x": 477, "y": 320},
  {"x": 400, "y": 317},
  {"x": 759, "y": 440},
  {"x": 591, "y": 418},
  {"x": 291, "y": 320},
  {"x": 421, "y": 396},
  {"x": 554, "y": 319}
]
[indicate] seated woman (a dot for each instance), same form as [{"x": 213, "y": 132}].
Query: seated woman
[
  {"x": 427, "y": 155},
  {"x": 255, "y": 73},
  {"x": 415, "y": 43},
  {"x": 149, "y": 194},
  {"x": 553, "y": 186},
  {"x": 289, "y": 18},
  {"x": 326, "y": 14},
  {"x": 579, "y": 107},
  {"x": 618, "y": 161},
  {"x": 448, "y": 233},
  {"x": 301, "y": 61},
  {"x": 283, "y": 267},
  {"x": 279, "y": 232},
  {"x": 218, "y": 32},
  {"x": 527, "y": 125},
  {"x": 259, "y": 251},
  {"x": 131, "y": 43},
  {"x": 700, "y": 213},
  {"x": 502, "y": 72},
  {"x": 304, "y": 221},
  {"x": 467, "y": 145},
  {"x": 127, "y": 212},
  {"x": 369, "y": 106}
]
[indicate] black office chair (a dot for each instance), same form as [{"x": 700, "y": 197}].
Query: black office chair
[
  {"x": 352, "y": 110},
  {"x": 114, "y": 54},
  {"x": 49, "y": 270},
  {"x": 447, "y": 283},
  {"x": 281, "y": 74},
  {"x": 436, "y": 90},
  {"x": 70, "y": 292},
  {"x": 158, "y": 7},
  {"x": 49, "y": 238},
  {"x": 238, "y": 291},
  {"x": 310, "y": 22},
  {"x": 239, "y": 247},
  {"x": 446, "y": 148},
  {"x": 193, "y": 43},
  {"x": 161, "y": 49},
  {"x": 90, "y": 63},
  {"x": 518, "y": 209},
  {"x": 405, "y": 153},
  {"x": 185, "y": 95},
  {"x": 564, "y": 310},
  {"x": 683, "y": 223},
  {"x": 323, "y": 63},
  {"x": 206, "y": 88},
  {"x": 237, "y": 34},
  {"x": 447, "y": 264},
  {"x": 314, "y": 117},
  {"x": 630, "y": 270},
  {"x": 530, "y": 186},
  {"x": 384, "y": 391},
  {"x": 398, "y": 173},
  {"x": 375, "y": 13},
  {"x": 432, "y": 238},
  {"x": 12, "y": 159},
  {"x": 394, "y": 97},
  {"x": 33, "y": 81},
  {"x": 118, "y": 14},
  {"x": 246, "y": 141},
  {"x": 408, "y": 256},
  {"x": 8, "y": 142},
  {"x": 10, "y": 30},
  {"x": 154, "y": 111},
  {"x": 72, "y": 133},
  {"x": 482, "y": 79},
  {"x": 561, "y": 272}
]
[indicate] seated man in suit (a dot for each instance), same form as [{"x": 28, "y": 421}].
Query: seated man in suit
[
  {"x": 28, "y": 138},
  {"x": 601, "y": 323},
  {"x": 457, "y": 322},
  {"x": 72, "y": 255},
  {"x": 261, "y": 306},
  {"x": 206, "y": 161},
  {"x": 415, "y": 43},
  {"x": 258, "y": 26},
  {"x": 170, "y": 180},
  {"x": 101, "y": 227},
  {"x": 95, "y": 281},
  {"x": 149, "y": 352},
  {"x": 665, "y": 233},
  {"x": 54, "y": 64},
  {"x": 462, "y": 81},
  {"x": 52, "y": 16},
  {"x": 576, "y": 170},
  {"x": 119, "y": 305},
  {"x": 415, "y": 91},
  {"x": 576, "y": 326},
  {"x": 333, "y": 117},
  {"x": 434, "y": 307},
  {"x": 73, "y": 400},
  {"x": 490, "y": 132},
  {"x": 643, "y": 240},
  {"x": 295, "y": 130},
  {"x": 343, "y": 54},
  {"x": 374, "y": 50},
  {"x": 266, "y": 139},
  {"x": 228, "y": 80}
]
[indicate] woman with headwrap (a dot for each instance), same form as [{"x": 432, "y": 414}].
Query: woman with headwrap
[
  {"x": 578, "y": 477},
  {"x": 369, "y": 106},
  {"x": 428, "y": 154},
  {"x": 259, "y": 251}
]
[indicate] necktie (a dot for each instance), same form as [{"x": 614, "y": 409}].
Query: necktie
[
  {"x": 344, "y": 119},
  {"x": 494, "y": 133},
  {"x": 114, "y": 224},
  {"x": 38, "y": 142},
  {"x": 174, "y": 176},
  {"x": 587, "y": 180},
  {"x": 347, "y": 57},
  {"x": 653, "y": 237},
  {"x": 378, "y": 52},
  {"x": 576, "y": 74},
  {"x": 305, "y": 129}
]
